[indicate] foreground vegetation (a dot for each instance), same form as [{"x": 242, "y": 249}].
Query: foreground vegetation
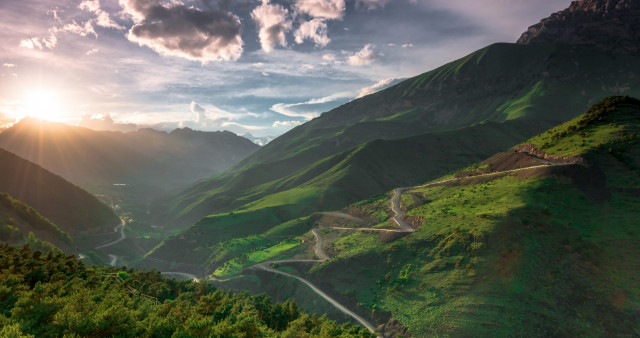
[{"x": 51, "y": 295}]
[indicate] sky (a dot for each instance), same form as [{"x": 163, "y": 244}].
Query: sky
[{"x": 256, "y": 67}]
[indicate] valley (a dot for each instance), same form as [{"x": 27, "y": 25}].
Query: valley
[{"x": 495, "y": 195}]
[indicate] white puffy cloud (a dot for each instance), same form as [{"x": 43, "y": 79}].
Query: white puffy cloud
[
  {"x": 41, "y": 43},
  {"x": 188, "y": 32},
  {"x": 312, "y": 108},
  {"x": 376, "y": 87},
  {"x": 273, "y": 22},
  {"x": 286, "y": 123},
  {"x": 9, "y": 65},
  {"x": 82, "y": 30},
  {"x": 314, "y": 30},
  {"x": 363, "y": 57},
  {"x": 373, "y": 4},
  {"x": 325, "y": 9},
  {"x": 200, "y": 112},
  {"x": 102, "y": 18}
]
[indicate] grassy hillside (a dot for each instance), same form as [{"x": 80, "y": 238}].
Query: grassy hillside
[
  {"x": 550, "y": 251},
  {"x": 53, "y": 295},
  {"x": 500, "y": 84},
  {"x": 333, "y": 183},
  {"x": 74, "y": 210},
  {"x": 19, "y": 223}
]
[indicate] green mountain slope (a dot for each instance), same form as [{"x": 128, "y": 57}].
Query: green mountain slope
[
  {"x": 546, "y": 251},
  {"x": 332, "y": 183},
  {"x": 53, "y": 295},
  {"x": 19, "y": 221},
  {"x": 74, "y": 210},
  {"x": 502, "y": 83}
]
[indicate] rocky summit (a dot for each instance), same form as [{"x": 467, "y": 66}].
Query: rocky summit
[{"x": 609, "y": 25}]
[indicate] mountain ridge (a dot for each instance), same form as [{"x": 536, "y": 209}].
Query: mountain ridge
[
  {"x": 607, "y": 25},
  {"x": 145, "y": 157},
  {"x": 72, "y": 209}
]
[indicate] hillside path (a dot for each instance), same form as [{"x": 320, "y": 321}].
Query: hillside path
[
  {"x": 266, "y": 266},
  {"x": 120, "y": 229},
  {"x": 318, "y": 250},
  {"x": 398, "y": 218}
]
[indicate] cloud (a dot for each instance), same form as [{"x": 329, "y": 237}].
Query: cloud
[
  {"x": 199, "y": 111},
  {"x": 273, "y": 22},
  {"x": 286, "y": 123},
  {"x": 325, "y": 9},
  {"x": 329, "y": 57},
  {"x": 188, "y": 32},
  {"x": 211, "y": 118},
  {"x": 9, "y": 65},
  {"x": 364, "y": 57},
  {"x": 376, "y": 87},
  {"x": 372, "y": 4},
  {"x": 312, "y": 108},
  {"x": 40, "y": 43},
  {"x": 102, "y": 17},
  {"x": 92, "y": 51},
  {"x": 82, "y": 30},
  {"x": 314, "y": 30},
  {"x": 105, "y": 122}
]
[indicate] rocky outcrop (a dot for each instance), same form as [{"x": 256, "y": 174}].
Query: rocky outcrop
[
  {"x": 531, "y": 150},
  {"x": 608, "y": 25}
]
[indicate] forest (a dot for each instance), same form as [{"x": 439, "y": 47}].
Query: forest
[{"x": 56, "y": 295}]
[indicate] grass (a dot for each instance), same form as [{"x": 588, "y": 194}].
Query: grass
[
  {"x": 243, "y": 261},
  {"x": 516, "y": 255}
]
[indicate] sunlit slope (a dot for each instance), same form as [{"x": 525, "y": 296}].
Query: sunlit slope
[
  {"x": 18, "y": 222},
  {"x": 74, "y": 210},
  {"x": 501, "y": 83},
  {"x": 553, "y": 251}
]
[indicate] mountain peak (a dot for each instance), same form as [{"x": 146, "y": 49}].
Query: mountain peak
[{"x": 608, "y": 25}]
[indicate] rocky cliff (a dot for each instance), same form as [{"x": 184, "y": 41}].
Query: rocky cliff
[{"x": 608, "y": 25}]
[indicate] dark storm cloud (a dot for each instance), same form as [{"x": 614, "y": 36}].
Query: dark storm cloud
[{"x": 188, "y": 32}]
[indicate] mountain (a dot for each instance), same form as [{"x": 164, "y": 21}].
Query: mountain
[
  {"x": 607, "y": 25},
  {"x": 521, "y": 89},
  {"x": 144, "y": 158},
  {"x": 19, "y": 223},
  {"x": 539, "y": 240},
  {"x": 72, "y": 209}
]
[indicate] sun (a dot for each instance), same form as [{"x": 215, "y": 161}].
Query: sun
[{"x": 43, "y": 104}]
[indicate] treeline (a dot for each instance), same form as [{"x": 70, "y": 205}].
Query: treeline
[{"x": 55, "y": 295}]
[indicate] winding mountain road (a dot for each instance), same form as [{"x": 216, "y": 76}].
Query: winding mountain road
[
  {"x": 119, "y": 228},
  {"x": 266, "y": 267},
  {"x": 398, "y": 218},
  {"x": 318, "y": 250}
]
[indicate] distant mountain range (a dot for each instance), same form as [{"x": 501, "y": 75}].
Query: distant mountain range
[{"x": 143, "y": 157}]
